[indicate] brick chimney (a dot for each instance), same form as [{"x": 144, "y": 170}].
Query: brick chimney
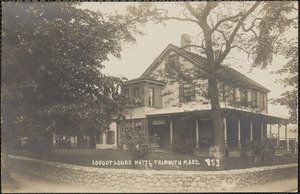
[{"x": 186, "y": 41}]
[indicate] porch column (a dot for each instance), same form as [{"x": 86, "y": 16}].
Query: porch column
[
  {"x": 239, "y": 134},
  {"x": 278, "y": 138},
  {"x": 197, "y": 134},
  {"x": 251, "y": 131},
  {"x": 262, "y": 130},
  {"x": 225, "y": 131},
  {"x": 286, "y": 141},
  {"x": 171, "y": 134},
  {"x": 270, "y": 131}
]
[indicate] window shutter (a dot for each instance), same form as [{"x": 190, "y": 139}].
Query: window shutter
[
  {"x": 237, "y": 94},
  {"x": 112, "y": 136},
  {"x": 259, "y": 99},
  {"x": 249, "y": 96},
  {"x": 101, "y": 137},
  {"x": 181, "y": 94},
  {"x": 107, "y": 137}
]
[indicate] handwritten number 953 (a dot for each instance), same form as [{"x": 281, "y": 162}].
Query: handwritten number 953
[{"x": 212, "y": 162}]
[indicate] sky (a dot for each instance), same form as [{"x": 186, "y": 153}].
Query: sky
[{"x": 137, "y": 57}]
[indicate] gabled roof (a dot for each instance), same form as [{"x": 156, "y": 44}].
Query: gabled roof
[
  {"x": 225, "y": 73},
  {"x": 144, "y": 79}
]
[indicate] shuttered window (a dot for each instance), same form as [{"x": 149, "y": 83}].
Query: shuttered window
[
  {"x": 254, "y": 98},
  {"x": 261, "y": 101},
  {"x": 110, "y": 137},
  {"x": 171, "y": 61},
  {"x": 187, "y": 93},
  {"x": 244, "y": 97}
]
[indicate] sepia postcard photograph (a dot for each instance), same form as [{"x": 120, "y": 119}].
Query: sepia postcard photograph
[{"x": 149, "y": 97}]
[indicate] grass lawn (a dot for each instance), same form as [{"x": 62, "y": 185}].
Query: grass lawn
[{"x": 86, "y": 157}]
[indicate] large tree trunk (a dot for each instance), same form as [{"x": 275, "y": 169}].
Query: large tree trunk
[
  {"x": 217, "y": 116},
  {"x": 213, "y": 92}
]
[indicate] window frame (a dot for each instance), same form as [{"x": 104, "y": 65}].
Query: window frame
[
  {"x": 138, "y": 125},
  {"x": 134, "y": 92},
  {"x": 183, "y": 93},
  {"x": 110, "y": 137},
  {"x": 151, "y": 98}
]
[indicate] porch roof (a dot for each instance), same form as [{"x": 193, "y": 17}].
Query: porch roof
[
  {"x": 206, "y": 109},
  {"x": 270, "y": 119},
  {"x": 179, "y": 110}
]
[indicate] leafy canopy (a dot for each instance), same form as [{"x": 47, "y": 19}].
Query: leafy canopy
[{"x": 51, "y": 71}]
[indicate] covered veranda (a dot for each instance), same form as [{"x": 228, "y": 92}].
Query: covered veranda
[{"x": 240, "y": 126}]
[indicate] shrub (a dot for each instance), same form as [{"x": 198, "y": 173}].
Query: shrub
[
  {"x": 186, "y": 146},
  {"x": 137, "y": 143},
  {"x": 261, "y": 148}
]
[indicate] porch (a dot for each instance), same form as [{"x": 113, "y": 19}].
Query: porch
[{"x": 240, "y": 127}]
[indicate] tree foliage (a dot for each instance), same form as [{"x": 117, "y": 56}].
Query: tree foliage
[
  {"x": 290, "y": 97},
  {"x": 137, "y": 143},
  {"x": 51, "y": 69}
]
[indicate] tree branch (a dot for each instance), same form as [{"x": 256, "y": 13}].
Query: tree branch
[
  {"x": 256, "y": 37},
  {"x": 247, "y": 52},
  {"x": 209, "y": 6},
  {"x": 223, "y": 34},
  {"x": 234, "y": 32},
  {"x": 226, "y": 19},
  {"x": 192, "y": 10},
  {"x": 180, "y": 19}
]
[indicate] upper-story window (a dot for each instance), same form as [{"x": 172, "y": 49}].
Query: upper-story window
[
  {"x": 151, "y": 97},
  {"x": 171, "y": 61},
  {"x": 136, "y": 92},
  {"x": 254, "y": 98},
  {"x": 244, "y": 97},
  {"x": 262, "y": 101},
  {"x": 236, "y": 94},
  {"x": 187, "y": 93}
]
